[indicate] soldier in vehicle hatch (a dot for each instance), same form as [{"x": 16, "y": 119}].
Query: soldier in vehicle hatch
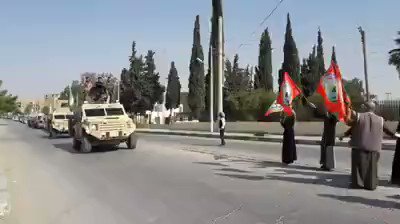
[{"x": 98, "y": 93}]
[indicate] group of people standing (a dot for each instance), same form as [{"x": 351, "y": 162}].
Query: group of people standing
[{"x": 366, "y": 132}]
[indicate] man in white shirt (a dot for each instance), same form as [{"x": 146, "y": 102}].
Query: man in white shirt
[{"x": 221, "y": 125}]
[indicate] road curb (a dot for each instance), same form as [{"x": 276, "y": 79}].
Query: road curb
[{"x": 385, "y": 146}]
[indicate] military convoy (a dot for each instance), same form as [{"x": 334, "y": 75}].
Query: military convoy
[
  {"x": 101, "y": 125},
  {"x": 97, "y": 122},
  {"x": 57, "y": 121},
  {"x": 94, "y": 123}
]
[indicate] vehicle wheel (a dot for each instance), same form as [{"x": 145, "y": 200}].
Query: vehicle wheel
[
  {"x": 86, "y": 146},
  {"x": 132, "y": 141},
  {"x": 52, "y": 133},
  {"x": 76, "y": 144}
]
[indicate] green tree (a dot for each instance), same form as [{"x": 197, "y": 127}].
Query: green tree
[
  {"x": 248, "y": 106},
  {"x": 355, "y": 91},
  {"x": 8, "y": 102},
  {"x": 309, "y": 74},
  {"x": 305, "y": 78},
  {"x": 394, "y": 55},
  {"x": 46, "y": 110},
  {"x": 236, "y": 78},
  {"x": 333, "y": 57},
  {"x": 263, "y": 78},
  {"x": 28, "y": 108},
  {"x": 291, "y": 61},
  {"x": 320, "y": 54},
  {"x": 76, "y": 90},
  {"x": 229, "y": 77},
  {"x": 173, "y": 89},
  {"x": 196, "y": 79},
  {"x": 152, "y": 81}
]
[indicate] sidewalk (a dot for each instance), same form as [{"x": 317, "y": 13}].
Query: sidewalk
[{"x": 305, "y": 140}]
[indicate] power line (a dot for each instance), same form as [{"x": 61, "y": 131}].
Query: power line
[{"x": 263, "y": 21}]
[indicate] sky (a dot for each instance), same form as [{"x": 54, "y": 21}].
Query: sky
[{"x": 45, "y": 44}]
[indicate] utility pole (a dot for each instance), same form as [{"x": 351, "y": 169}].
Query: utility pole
[
  {"x": 118, "y": 91},
  {"x": 211, "y": 77},
  {"x": 362, "y": 32},
  {"x": 211, "y": 87},
  {"x": 220, "y": 65}
]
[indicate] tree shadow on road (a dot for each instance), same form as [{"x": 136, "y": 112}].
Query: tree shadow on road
[
  {"x": 315, "y": 178},
  {"x": 242, "y": 176},
  {"x": 330, "y": 179},
  {"x": 265, "y": 164},
  {"x": 211, "y": 164},
  {"x": 365, "y": 201},
  {"x": 232, "y": 170},
  {"x": 394, "y": 197}
]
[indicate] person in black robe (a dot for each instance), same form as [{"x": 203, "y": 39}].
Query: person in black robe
[
  {"x": 328, "y": 135},
  {"x": 396, "y": 161},
  {"x": 328, "y": 140},
  {"x": 289, "y": 154}
]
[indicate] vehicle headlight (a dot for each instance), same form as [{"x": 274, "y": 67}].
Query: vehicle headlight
[{"x": 94, "y": 127}]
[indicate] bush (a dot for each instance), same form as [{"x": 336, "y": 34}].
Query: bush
[{"x": 248, "y": 106}]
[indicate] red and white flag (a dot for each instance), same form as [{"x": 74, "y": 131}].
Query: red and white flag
[
  {"x": 332, "y": 91},
  {"x": 288, "y": 92}
]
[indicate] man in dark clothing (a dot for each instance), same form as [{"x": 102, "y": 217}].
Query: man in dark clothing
[
  {"x": 98, "y": 93},
  {"x": 327, "y": 159},
  {"x": 221, "y": 125},
  {"x": 396, "y": 160},
  {"x": 328, "y": 142}
]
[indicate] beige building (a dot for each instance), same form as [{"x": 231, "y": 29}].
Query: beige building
[
  {"x": 52, "y": 101},
  {"x": 49, "y": 100},
  {"x": 37, "y": 104}
]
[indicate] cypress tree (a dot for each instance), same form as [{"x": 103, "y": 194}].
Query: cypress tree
[
  {"x": 291, "y": 61},
  {"x": 151, "y": 81},
  {"x": 309, "y": 73},
  {"x": 333, "y": 58},
  {"x": 314, "y": 76},
  {"x": 320, "y": 55},
  {"x": 196, "y": 79},
  {"x": 229, "y": 77},
  {"x": 264, "y": 77},
  {"x": 173, "y": 89}
]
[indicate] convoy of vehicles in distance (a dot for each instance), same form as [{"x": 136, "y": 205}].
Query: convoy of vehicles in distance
[
  {"x": 101, "y": 125},
  {"x": 37, "y": 121},
  {"x": 57, "y": 122}
]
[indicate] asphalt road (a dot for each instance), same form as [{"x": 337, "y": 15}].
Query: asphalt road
[{"x": 172, "y": 179}]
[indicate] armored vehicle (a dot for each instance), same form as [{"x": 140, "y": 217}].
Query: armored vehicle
[
  {"x": 57, "y": 122},
  {"x": 36, "y": 121},
  {"x": 101, "y": 124}
]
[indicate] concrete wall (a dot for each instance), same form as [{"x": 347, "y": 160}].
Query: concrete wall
[{"x": 301, "y": 128}]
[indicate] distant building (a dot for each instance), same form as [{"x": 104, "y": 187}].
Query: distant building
[
  {"x": 159, "y": 114},
  {"x": 53, "y": 101}
]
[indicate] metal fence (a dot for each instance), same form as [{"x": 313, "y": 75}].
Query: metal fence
[{"x": 389, "y": 109}]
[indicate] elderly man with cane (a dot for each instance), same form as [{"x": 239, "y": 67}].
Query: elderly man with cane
[{"x": 366, "y": 131}]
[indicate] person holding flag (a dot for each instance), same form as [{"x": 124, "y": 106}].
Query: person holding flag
[
  {"x": 288, "y": 92},
  {"x": 335, "y": 98}
]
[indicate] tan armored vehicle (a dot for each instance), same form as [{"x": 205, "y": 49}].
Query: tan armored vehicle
[
  {"x": 57, "y": 122},
  {"x": 101, "y": 124}
]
